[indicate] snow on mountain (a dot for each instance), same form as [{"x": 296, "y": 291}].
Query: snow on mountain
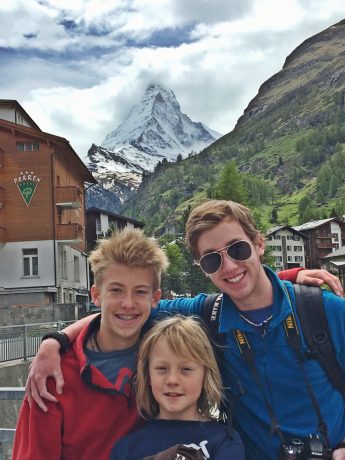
[{"x": 154, "y": 129}]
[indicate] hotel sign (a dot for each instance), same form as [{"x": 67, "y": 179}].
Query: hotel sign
[{"x": 27, "y": 183}]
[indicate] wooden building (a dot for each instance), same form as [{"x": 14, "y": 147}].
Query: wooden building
[
  {"x": 324, "y": 237},
  {"x": 42, "y": 214}
]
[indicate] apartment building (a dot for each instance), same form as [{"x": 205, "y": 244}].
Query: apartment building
[
  {"x": 324, "y": 237},
  {"x": 287, "y": 246},
  {"x": 42, "y": 214}
]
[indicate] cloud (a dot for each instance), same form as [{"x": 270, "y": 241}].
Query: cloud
[{"x": 79, "y": 66}]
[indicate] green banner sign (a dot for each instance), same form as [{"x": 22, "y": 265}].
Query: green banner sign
[{"x": 27, "y": 189}]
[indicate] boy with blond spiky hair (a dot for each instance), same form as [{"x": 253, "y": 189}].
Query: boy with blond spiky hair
[{"x": 97, "y": 406}]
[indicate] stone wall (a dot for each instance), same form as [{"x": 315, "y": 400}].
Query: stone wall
[{"x": 28, "y": 314}]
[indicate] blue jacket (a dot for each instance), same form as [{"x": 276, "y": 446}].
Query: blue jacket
[{"x": 280, "y": 373}]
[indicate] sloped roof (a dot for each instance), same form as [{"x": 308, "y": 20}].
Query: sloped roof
[
  {"x": 276, "y": 229},
  {"x": 337, "y": 253},
  {"x": 313, "y": 224}
]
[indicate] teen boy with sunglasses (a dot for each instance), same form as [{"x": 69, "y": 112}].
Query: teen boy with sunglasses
[{"x": 224, "y": 240}]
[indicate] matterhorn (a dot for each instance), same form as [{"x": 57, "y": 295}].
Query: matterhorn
[{"x": 154, "y": 129}]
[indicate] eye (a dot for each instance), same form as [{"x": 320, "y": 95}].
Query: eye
[
  {"x": 115, "y": 290},
  {"x": 160, "y": 369},
  {"x": 187, "y": 369},
  {"x": 141, "y": 292}
]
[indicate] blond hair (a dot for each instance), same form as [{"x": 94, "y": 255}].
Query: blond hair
[
  {"x": 129, "y": 247},
  {"x": 211, "y": 213},
  {"x": 188, "y": 339}
]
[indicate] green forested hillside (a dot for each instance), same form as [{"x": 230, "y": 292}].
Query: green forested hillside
[{"x": 285, "y": 157}]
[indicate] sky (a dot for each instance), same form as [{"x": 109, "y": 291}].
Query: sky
[{"x": 78, "y": 66}]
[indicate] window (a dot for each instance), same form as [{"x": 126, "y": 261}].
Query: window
[
  {"x": 289, "y": 237},
  {"x": 298, "y": 259},
  {"x": 279, "y": 259},
  {"x": 269, "y": 238},
  {"x": 289, "y": 248},
  {"x": 297, "y": 248},
  {"x": 276, "y": 237},
  {"x": 98, "y": 226},
  {"x": 276, "y": 248},
  {"x": 289, "y": 259},
  {"x": 64, "y": 273},
  {"x": 30, "y": 262},
  {"x": 27, "y": 146},
  {"x": 296, "y": 238},
  {"x": 76, "y": 268}
]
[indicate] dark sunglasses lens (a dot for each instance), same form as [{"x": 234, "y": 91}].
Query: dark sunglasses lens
[
  {"x": 210, "y": 263},
  {"x": 241, "y": 250}
]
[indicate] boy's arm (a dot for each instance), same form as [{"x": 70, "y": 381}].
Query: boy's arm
[
  {"x": 47, "y": 364},
  {"x": 38, "y": 435},
  {"x": 315, "y": 277}
]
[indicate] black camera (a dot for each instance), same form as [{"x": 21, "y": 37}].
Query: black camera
[{"x": 305, "y": 449}]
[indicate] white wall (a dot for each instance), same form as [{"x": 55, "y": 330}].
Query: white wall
[{"x": 11, "y": 264}]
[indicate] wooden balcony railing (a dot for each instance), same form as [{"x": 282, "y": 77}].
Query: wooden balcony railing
[
  {"x": 2, "y": 196},
  {"x": 68, "y": 197},
  {"x": 70, "y": 233}
]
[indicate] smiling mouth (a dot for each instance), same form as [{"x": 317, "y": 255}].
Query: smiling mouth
[
  {"x": 173, "y": 395},
  {"x": 235, "y": 279},
  {"x": 127, "y": 317}
]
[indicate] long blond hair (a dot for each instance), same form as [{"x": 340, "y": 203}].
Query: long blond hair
[{"x": 188, "y": 339}]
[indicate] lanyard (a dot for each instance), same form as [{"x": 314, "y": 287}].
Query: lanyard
[{"x": 294, "y": 341}]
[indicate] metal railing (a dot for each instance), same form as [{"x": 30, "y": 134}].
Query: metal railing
[
  {"x": 7, "y": 434},
  {"x": 23, "y": 341}
]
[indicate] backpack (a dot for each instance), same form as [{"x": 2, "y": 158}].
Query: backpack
[{"x": 314, "y": 325}]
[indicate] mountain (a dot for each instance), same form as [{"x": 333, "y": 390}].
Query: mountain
[
  {"x": 290, "y": 139},
  {"x": 154, "y": 131}
]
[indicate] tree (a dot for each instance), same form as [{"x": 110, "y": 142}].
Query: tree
[{"x": 230, "y": 185}]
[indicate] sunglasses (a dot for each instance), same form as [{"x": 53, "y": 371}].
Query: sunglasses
[{"x": 239, "y": 251}]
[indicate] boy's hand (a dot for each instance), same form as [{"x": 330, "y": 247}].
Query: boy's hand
[
  {"x": 47, "y": 363},
  {"x": 319, "y": 277},
  {"x": 339, "y": 454}
]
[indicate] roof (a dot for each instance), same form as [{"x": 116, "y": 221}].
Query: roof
[
  {"x": 337, "y": 253},
  {"x": 314, "y": 224},
  {"x": 15, "y": 104},
  {"x": 276, "y": 229},
  {"x": 117, "y": 216},
  {"x": 87, "y": 176}
]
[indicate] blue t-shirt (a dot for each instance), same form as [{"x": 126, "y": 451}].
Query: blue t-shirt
[{"x": 210, "y": 438}]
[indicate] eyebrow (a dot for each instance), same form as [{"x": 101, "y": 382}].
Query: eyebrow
[{"x": 116, "y": 283}]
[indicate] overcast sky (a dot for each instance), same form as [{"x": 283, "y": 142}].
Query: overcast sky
[{"x": 78, "y": 66}]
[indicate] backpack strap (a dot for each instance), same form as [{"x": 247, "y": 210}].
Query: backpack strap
[
  {"x": 314, "y": 324},
  {"x": 211, "y": 316}
]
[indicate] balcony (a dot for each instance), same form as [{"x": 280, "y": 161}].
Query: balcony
[
  {"x": 68, "y": 197},
  {"x": 2, "y": 236},
  {"x": 70, "y": 233},
  {"x": 2, "y": 197}
]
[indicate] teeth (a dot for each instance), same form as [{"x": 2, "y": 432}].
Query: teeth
[
  {"x": 126, "y": 317},
  {"x": 235, "y": 279}
]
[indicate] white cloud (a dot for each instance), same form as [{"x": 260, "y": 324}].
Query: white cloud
[{"x": 89, "y": 61}]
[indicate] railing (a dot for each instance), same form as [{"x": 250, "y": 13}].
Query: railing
[
  {"x": 68, "y": 197},
  {"x": 23, "y": 341},
  {"x": 70, "y": 232},
  {"x": 7, "y": 434}
]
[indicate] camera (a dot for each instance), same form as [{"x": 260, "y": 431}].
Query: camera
[{"x": 304, "y": 449}]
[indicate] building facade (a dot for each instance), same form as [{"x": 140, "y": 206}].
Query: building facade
[
  {"x": 324, "y": 237},
  {"x": 99, "y": 222},
  {"x": 42, "y": 214},
  {"x": 287, "y": 246}
]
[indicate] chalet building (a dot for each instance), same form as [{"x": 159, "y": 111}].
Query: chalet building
[
  {"x": 42, "y": 214},
  {"x": 287, "y": 247},
  {"x": 99, "y": 222},
  {"x": 324, "y": 237},
  {"x": 335, "y": 263}
]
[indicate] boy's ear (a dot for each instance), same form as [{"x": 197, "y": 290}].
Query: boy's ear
[
  {"x": 260, "y": 245},
  {"x": 156, "y": 297},
  {"x": 95, "y": 294}
]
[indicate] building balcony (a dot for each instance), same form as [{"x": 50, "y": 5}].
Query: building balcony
[
  {"x": 2, "y": 197},
  {"x": 68, "y": 197},
  {"x": 2, "y": 236},
  {"x": 70, "y": 233}
]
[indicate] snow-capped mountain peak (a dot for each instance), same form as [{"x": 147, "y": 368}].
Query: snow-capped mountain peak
[{"x": 154, "y": 129}]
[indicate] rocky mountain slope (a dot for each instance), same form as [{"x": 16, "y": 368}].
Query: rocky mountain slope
[
  {"x": 154, "y": 130},
  {"x": 287, "y": 136}
]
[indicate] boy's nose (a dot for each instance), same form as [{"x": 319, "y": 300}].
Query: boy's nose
[
  {"x": 227, "y": 263},
  {"x": 172, "y": 378},
  {"x": 127, "y": 301}
]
